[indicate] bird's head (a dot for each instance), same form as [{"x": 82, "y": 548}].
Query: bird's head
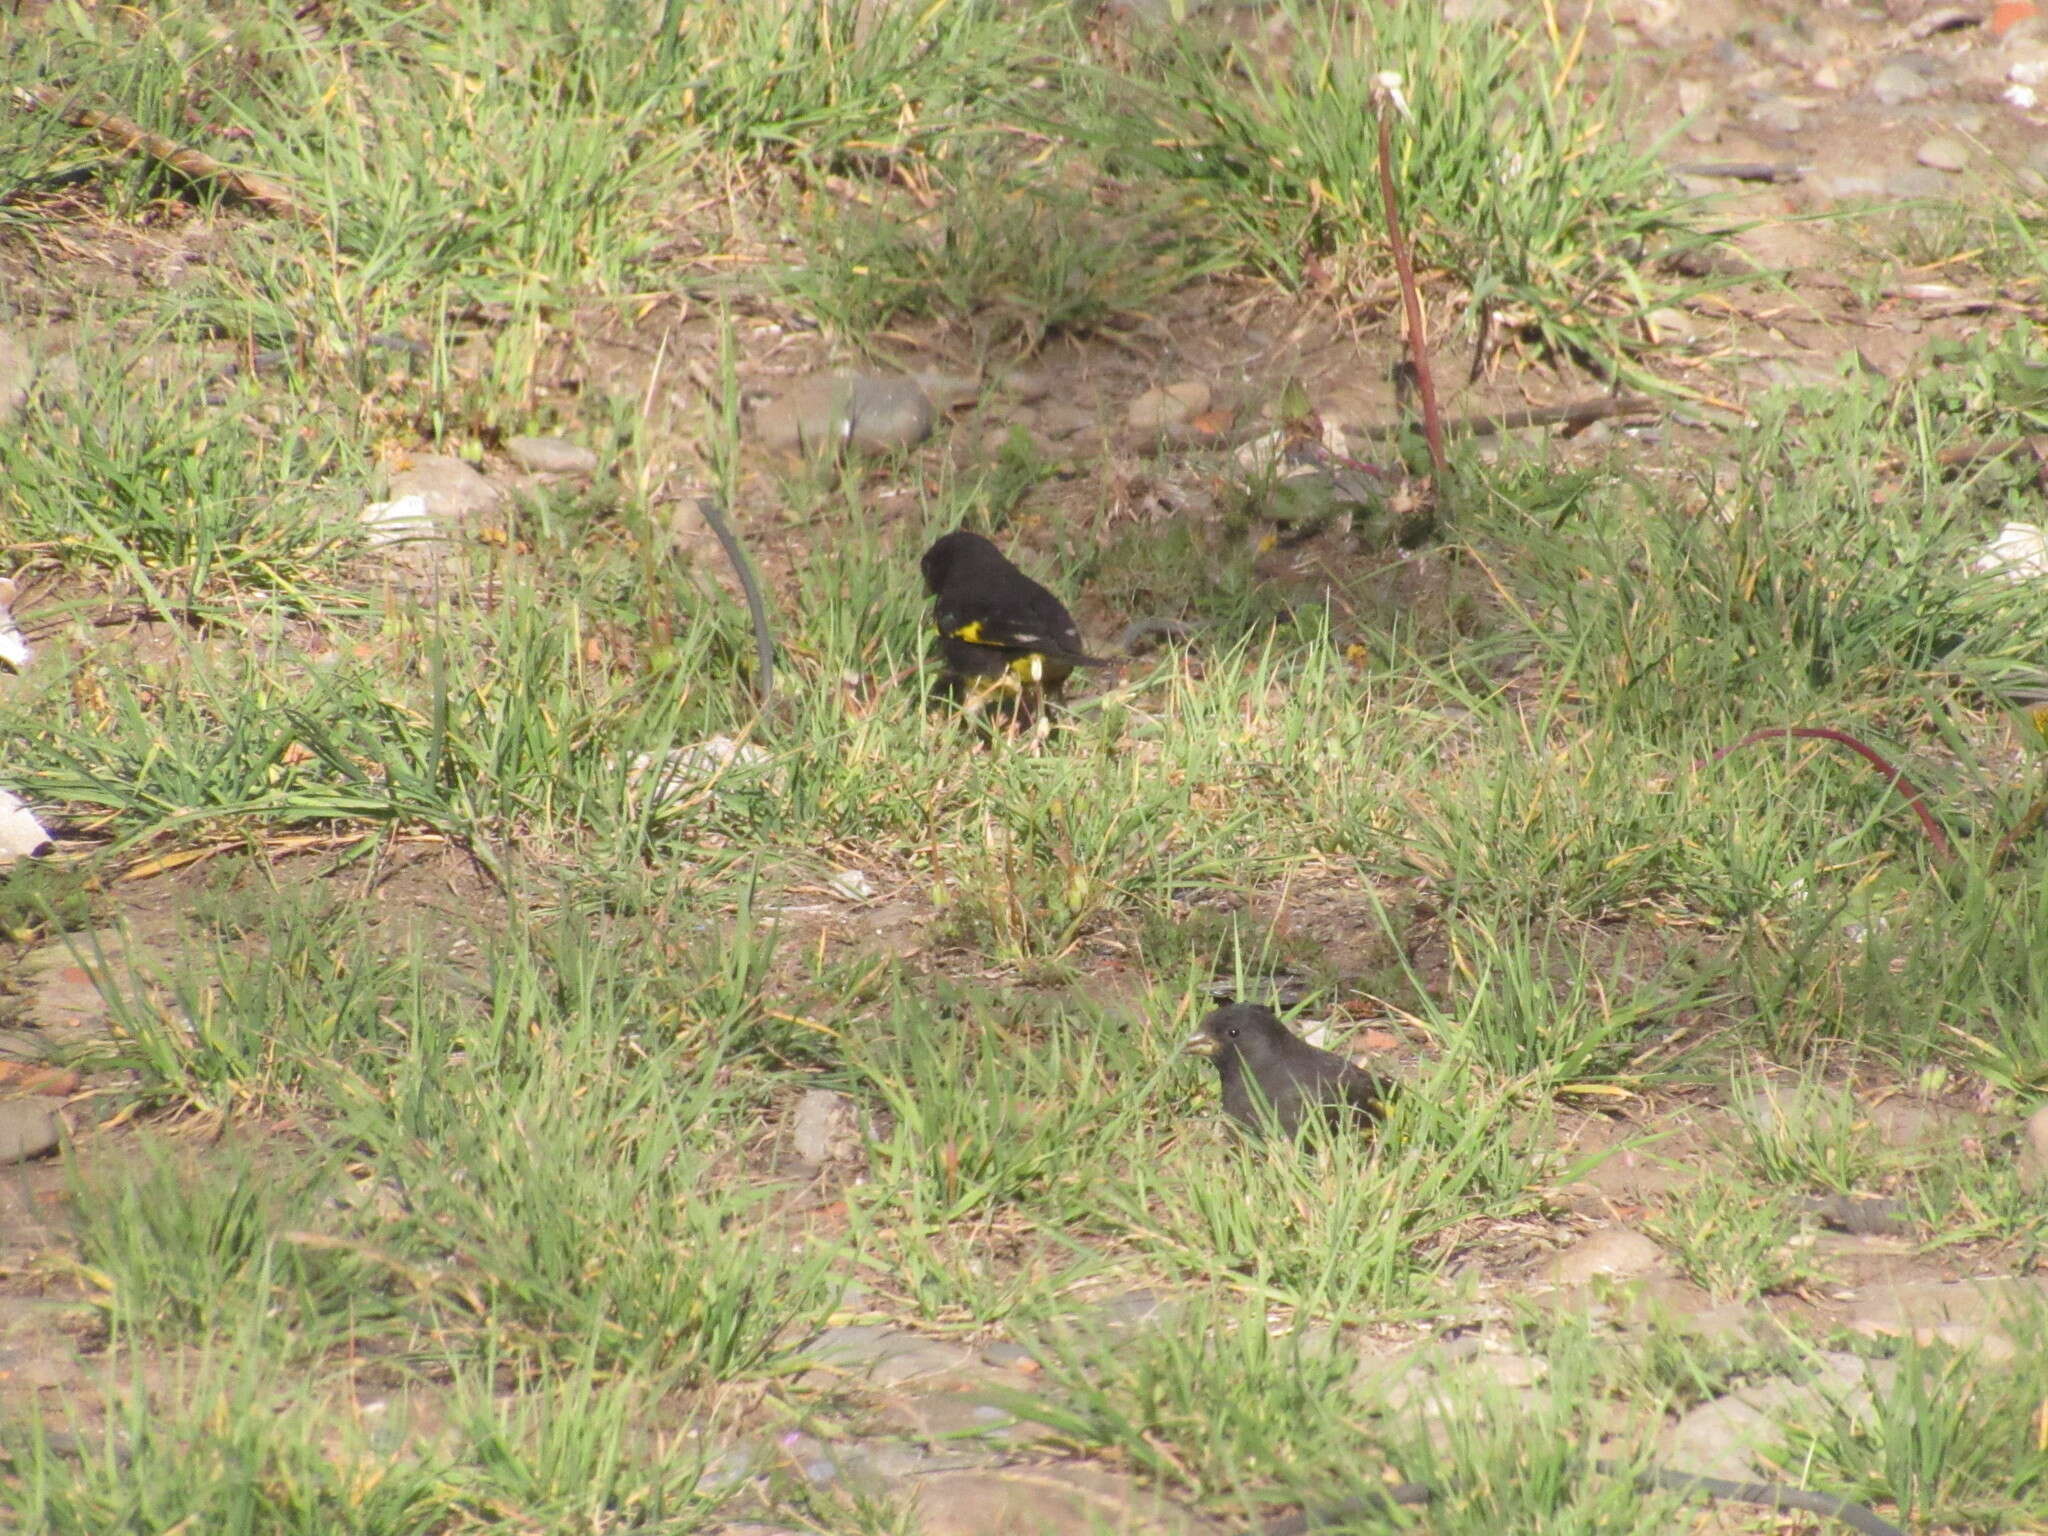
[
  {"x": 1238, "y": 1029},
  {"x": 949, "y": 552}
]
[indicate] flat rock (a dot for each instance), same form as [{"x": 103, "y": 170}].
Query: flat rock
[
  {"x": 63, "y": 994},
  {"x": 27, "y": 1130},
  {"x": 858, "y": 410},
  {"x": 551, "y": 456},
  {"x": 866, "y": 1468},
  {"x": 881, "y": 1356},
  {"x": 1046, "y": 1501},
  {"x": 1616, "y": 1253},
  {"x": 973, "y": 1413},
  {"x": 1731, "y": 1436},
  {"x": 1896, "y": 84},
  {"x": 453, "y": 489},
  {"x": 1964, "y": 1314}
]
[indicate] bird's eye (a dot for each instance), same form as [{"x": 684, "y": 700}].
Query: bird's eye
[{"x": 1233, "y": 1034}]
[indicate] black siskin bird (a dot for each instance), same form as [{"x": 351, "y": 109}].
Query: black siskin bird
[
  {"x": 1272, "y": 1077},
  {"x": 998, "y": 629}
]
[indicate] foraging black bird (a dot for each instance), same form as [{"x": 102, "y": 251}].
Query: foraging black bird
[
  {"x": 1272, "y": 1076},
  {"x": 997, "y": 627}
]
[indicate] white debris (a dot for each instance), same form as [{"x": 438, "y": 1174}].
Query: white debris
[
  {"x": 2019, "y": 553},
  {"x": 13, "y": 644},
  {"x": 1268, "y": 455},
  {"x": 394, "y": 522},
  {"x": 851, "y": 884},
  {"x": 671, "y": 776},
  {"x": 2025, "y": 97},
  {"x": 21, "y": 835}
]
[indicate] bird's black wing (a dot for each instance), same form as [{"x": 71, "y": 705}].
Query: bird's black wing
[{"x": 1006, "y": 624}]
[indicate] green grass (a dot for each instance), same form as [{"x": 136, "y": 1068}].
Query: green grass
[{"x": 500, "y": 1044}]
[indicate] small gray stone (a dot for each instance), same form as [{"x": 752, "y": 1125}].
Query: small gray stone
[
  {"x": 1943, "y": 153},
  {"x": 826, "y": 1128},
  {"x": 2034, "y": 1149},
  {"x": 867, "y": 411},
  {"x": 27, "y": 1130},
  {"x": 551, "y": 456},
  {"x": 1851, "y": 186},
  {"x": 1778, "y": 113},
  {"x": 1616, "y": 1253},
  {"x": 1896, "y": 84},
  {"x": 1917, "y": 181},
  {"x": 17, "y": 372},
  {"x": 452, "y": 488},
  {"x": 882, "y": 1356}
]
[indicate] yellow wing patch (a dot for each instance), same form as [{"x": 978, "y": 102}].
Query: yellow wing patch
[{"x": 970, "y": 632}]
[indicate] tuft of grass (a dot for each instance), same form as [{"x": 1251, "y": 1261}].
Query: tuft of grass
[
  {"x": 1512, "y": 175},
  {"x": 1949, "y": 1436}
]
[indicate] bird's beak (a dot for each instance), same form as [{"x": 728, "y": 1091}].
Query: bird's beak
[{"x": 1201, "y": 1045}]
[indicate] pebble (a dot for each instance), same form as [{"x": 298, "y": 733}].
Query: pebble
[
  {"x": 1779, "y": 113},
  {"x": 1943, "y": 153},
  {"x": 1671, "y": 325},
  {"x": 17, "y": 372},
  {"x": 1616, "y": 1253},
  {"x": 1917, "y": 181},
  {"x": 551, "y": 456},
  {"x": 1853, "y": 186},
  {"x": 452, "y": 488},
  {"x": 27, "y": 1131},
  {"x": 1169, "y": 405},
  {"x": 1896, "y": 84},
  {"x": 874, "y": 412},
  {"x": 2034, "y": 1149}
]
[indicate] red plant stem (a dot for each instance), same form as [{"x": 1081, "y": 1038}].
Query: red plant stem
[
  {"x": 1418, "y": 346},
  {"x": 1897, "y": 780}
]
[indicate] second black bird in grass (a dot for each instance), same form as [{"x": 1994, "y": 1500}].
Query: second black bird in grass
[
  {"x": 1272, "y": 1078},
  {"x": 999, "y": 631}
]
